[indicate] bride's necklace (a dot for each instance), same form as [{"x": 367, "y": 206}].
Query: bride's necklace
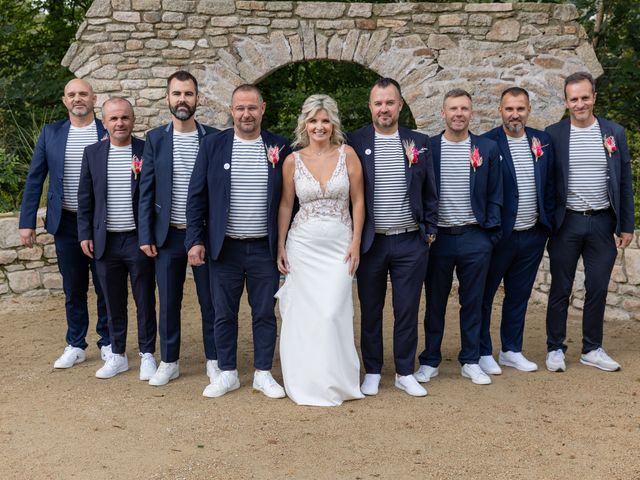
[{"x": 321, "y": 152}]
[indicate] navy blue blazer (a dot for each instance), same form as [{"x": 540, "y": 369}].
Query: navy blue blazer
[
  {"x": 156, "y": 184},
  {"x": 543, "y": 173},
  {"x": 618, "y": 172},
  {"x": 421, "y": 187},
  {"x": 485, "y": 182},
  {"x": 92, "y": 193},
  {"x": 48, "y": 158},
  {"x": 209, "y": 197}
]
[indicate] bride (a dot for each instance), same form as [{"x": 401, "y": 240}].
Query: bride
[{"x": 320, "y": 365}]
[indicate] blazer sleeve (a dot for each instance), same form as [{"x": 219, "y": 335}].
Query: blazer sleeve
[
  {"x": 86, "y": 201},
  {"x": 35, "y": 180},
  {"x": 430, "y": 194},
  {"x": 494, "y": 188},
  {"x": 147, "y": 196},
  {"x": 197, "y": 198},
  {"x": 627, "y": 216}
]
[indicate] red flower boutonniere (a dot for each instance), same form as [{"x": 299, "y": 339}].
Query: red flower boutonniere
[
  {"x": 136, "y": 166},
  {"x": 610, "y": 144},
  {"x": 536, "y": 148},
  {"x": 273, "y": 155},
  {"x": 410, "y": 151},
  {"x": 475, "y": 158}
]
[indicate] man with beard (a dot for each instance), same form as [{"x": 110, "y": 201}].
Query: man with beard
[
  {"x": 58, "y": 153},
  {"x": 169, "y": 156}
]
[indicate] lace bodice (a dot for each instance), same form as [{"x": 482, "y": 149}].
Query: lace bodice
[{"x": 315, "y": 202}]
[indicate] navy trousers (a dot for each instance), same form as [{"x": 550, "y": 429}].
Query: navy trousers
[
  {"x": 592, "y": 238},
  {"x": 404, "y": 258},
  {"x": 243, "y": 261},
  {"x": 122, "y": 258},
  {"x": 74, "y": 267},
  {"x": 469, "y": 254},
  {"x": 516, "y": 261},
  {"x": 171, "y": 265}
]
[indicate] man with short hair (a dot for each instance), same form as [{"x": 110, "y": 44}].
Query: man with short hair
[
  {"x": 107, "y": 216},
  {"x": 527, "y": 216},
  {"x": 469, "y": 185},
  {"x": 593, "y": 217},
  {"x": 232, "y": 209},
  {"x": 58, "y": 154},
  {"x": 169, "y": 156},
  {"x": 400, "y": 223}
]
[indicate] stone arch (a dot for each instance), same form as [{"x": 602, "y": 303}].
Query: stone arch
[{"x": 130, "y": 47}]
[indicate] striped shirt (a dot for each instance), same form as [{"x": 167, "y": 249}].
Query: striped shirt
[
  {"x": 185, "y": 151},
  {"x": 119, "y": 204},
  {"x": 455, "y": 190},
  {"x": 249, "y": 182},
  {"x": 587, "y": 170},
  {"x": 527, "y": 213},
  {"x": 77, "y": 139},
  {"x": 391, "y": 207}
]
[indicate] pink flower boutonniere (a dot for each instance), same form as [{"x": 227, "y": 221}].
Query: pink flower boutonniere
[
  {"x": 536, "y": 148},
  {"x": 273, "y": 155},
  {"x": 136, "y": 166},
  {"x": 476, "y": 158},
  {"x": 610, "y": 144},
  {"x": 410, "y": 151}
]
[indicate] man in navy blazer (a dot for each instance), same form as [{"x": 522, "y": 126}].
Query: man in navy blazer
[
  {"x": 58, "y": 154},
  {"x": 107, "y": 218},
  {"x": 169, "y": 156},
  {"x": 527, "y": 216},
  {"x": 468, "y": 178},
  {"x": 232, "y": 210},
  {"x": 594, "y": 216},
  {"x": 401, "y": 215}
]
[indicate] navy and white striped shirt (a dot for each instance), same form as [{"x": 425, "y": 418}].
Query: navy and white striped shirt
[
  {"x": 78, "y": 138},
  {"x": 185, "y": 151},
  {"x": 587, "y": 169},
  {"x": 455, "y": 191},
  {"x": 391, "y": 207},
  {"x": 527, "y": 213},
  {"x": 249, "y": 182},
  {"x": 119, "y": 204}
]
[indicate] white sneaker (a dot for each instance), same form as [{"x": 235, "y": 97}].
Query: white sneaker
[
  {"x": 426, "y": 373},
  {"x": 226, "y": 382},
  {"x": 370, "y": 383},
  {"x": 115, "y": 364},
  {"x": 555, "y": 361},
  {"x": 166, "y": 372},
  {"x": 147, "y": 366},
  {"x": 489, "y": 365},
  {"x": 516, "y": 360},
  {"x": 105, "y": 352},
  {"x": 264, "y": 382},
  {"x": 475, "y": 373},
  {"x": 70, "y": 357},
  {"x": 598, "y": 358},
  {"x": 409, "y": 384},
  {"x": 212, "y": 369}
]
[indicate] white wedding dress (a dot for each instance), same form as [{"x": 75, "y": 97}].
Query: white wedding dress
[{"x": 320, "y": 365}]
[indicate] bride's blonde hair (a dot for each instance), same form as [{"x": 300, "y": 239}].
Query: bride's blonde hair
[{"x": 310, "y": 108}]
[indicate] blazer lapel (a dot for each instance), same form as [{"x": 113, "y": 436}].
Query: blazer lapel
[
  {"x": 165, "y": 167},
  {"x": 405, "y": 137},
  {"x": 472, "y": 172},
  {"x": 227, "y": 152},
  {"x": 563, "y": 151},
  {"x": 536, "y": 167},
  {"x": 436, "y": 152},
  {"x": 136, "y": 151},
  {"x": 104, "y": 168},
  {"x": 61, "y": 148},
  {"x": 607, "y": 132},
  {"x": 369, "y": 158},
  {"x": 503, "y": 143}
]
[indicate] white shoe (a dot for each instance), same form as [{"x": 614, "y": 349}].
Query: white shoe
[
  {"x": 70, "y": 357},
  {"x": 409, "y": 384},
  {"x": 212, "y": 369},
  {"x": 555, "y": 361},
  {"x": 166, "y": 372},
  {"x": 516, "y": 360},
  {"x": 264, "y": 382},
  {"x": 105, "y": 352},
  {"x": 226, "y": 382},
  {"x": 115, "y": 364},
  {"x": 598, "y": 358},
  {"x": 475, "y": 373},
  {"x": 147, "y": 366},
  {"x": 426, "y": 373},
  {"x": 489, "y": 365},
  {"x": 370, "y": 383}
]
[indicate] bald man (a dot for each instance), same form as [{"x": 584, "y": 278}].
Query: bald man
[{"x": 58, "y": 154}]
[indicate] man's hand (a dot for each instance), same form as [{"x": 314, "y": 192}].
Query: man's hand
[
  {"x": 623, "y": 240},
  {"x": 87, "y": 247},
  {"x": 27, "y": 236},
  {"x": 149, "y": 250},
  {"x": 196, "y": 255}
]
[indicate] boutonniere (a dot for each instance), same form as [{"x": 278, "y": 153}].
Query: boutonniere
[
  {"x": 410, "y": 151},
  {"x": 536, "y": 148},
  {"x": 610, "y": 144},
  {"x": 136, "y": 166},
  {"x": 273, "y": 155},
  {"x": 105, "y": 137},
  {"x": 475, "y": 158}
]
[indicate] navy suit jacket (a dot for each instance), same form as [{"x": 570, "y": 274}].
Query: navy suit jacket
[
  {"x": 209, "y": 197},
  {"x": 421, "y": 187},
  {"x": 48, "y": 158},
  {"x": 156, "y": 184},
  {"x": 485, "y": 182},
  {"x": 543, "y": 173},
  {"x": 618, "y": 172},
  {"x": 92, "y": 193}
]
